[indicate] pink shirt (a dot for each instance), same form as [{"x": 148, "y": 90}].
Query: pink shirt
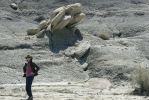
[{"x": 29, "y": 71}]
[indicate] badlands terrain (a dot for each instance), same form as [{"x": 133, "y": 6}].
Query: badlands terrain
[{"x": 102, "y": 73}]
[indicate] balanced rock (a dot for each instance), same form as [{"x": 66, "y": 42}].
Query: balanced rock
[
  {"x": 65, "y": 16},
  {"x": 61, "y": 18}
]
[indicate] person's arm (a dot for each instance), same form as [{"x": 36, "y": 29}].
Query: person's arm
[
  {"x": 37, "y": 68},
  {"x": 24, "y": 70}
]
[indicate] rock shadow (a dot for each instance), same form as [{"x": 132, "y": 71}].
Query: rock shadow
[{"x": 62, "y": 39}]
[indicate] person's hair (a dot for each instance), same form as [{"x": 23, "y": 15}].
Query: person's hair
[{"x": 28, "y": 56}]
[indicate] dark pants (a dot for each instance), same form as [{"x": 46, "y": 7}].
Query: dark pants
[{"x": 29, "y": 81}]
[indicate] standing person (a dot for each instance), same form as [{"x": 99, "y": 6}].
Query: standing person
[{"x": 30, "y": 70}]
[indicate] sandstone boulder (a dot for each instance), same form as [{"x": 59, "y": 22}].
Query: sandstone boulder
[
  {"x": 49, "y": 21},
  {"x": 76, "y": 19},
  {"x": 49, "y": 28},
  {"x": 65, "y": 16},
  {"x": 57, "y": 18},
  {"x": 82, "y": 49},
  {"x": 63, "y": 23},
  {"x": 41, "y": 34},
  {"x": 61, "y": 18},
  {"x": 56, "y": 11},
  {"x": 42, "y": 25},
  {"x": 73, "y": 9}
]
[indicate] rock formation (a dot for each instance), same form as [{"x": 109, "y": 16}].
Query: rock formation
[
  {"x": 61, "y": 28},
  {"x": 63, "y": 17}
]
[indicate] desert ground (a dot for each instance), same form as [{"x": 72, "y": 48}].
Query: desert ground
[{"x": 102, "y": 73}]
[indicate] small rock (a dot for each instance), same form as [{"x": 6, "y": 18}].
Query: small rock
[
  {"x": 32, "y": 31},
  {"x": 82, "y": 49},
  {"x": 78, "y": 51},
  {"x": 14, "y": 6},
  {"x": 85, "y": 66},
  {"x": 69, "y": 52},
  {"x": 69, "y": 83},
  {"x": 139, "y": 13}
]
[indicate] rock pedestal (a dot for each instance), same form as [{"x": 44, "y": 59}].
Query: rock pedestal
[
  {"x": 61, "y": 29},
  {"x": 62, "y": 39}
]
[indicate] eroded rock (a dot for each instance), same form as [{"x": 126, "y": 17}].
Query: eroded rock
[
  {"x": 61, "y": 30},
  {"x": 63, "y": 17},
  {"x": 82, "y": 49},
  {"x": 78, "y": 51}
]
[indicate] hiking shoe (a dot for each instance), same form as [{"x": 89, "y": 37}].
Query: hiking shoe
[{"x": 30, "y": 98}]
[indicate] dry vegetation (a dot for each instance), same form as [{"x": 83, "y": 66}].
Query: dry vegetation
[{"x": 141, "y": 80}]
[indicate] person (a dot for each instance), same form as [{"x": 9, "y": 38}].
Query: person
[{"x": 30, "y": 70}]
